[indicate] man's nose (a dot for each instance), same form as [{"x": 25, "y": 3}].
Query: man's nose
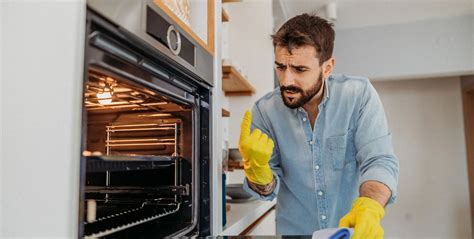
[{"x": 288, "y": 78}]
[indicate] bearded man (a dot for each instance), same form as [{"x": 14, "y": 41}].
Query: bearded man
[{"x": 320, "y": 141}]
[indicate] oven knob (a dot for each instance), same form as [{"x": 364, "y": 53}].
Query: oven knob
[{"x": 174, "y": 40}]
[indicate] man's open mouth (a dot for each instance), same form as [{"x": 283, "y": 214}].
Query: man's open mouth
[{"x": 290, "y": 93}]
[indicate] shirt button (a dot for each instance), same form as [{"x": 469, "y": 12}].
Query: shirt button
[
  {"x": 320, "y": 193},
  {"x": 316, "y": 167},
  {"x": 301, "y": 110},
  {"x": 323, "y": 217},
  {"x": 311, "y": 142},
  {"x": 304, "y": 119}
]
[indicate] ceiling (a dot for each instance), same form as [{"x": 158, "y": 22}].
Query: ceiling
[{"x": 364, "y": 13}]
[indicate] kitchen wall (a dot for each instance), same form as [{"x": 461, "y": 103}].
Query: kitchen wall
[
  {"x": 426, "y": 119},
  {"x": 428, "y": 48},
  {"x": 247, "y": 44},
  {"x": 415, "y": 68},
  {"x": 250, "y": 49}
]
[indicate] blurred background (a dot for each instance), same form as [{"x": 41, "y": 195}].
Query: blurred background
[{"x": 419, "y": 56}]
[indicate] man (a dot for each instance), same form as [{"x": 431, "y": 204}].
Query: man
[{"x": 320, "y": 141}]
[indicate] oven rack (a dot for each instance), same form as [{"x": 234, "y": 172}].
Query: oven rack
[
  {"x": 155, "y": 202},
  {"x": 115, "y": 215},
  {"x": 113, "y": 163},
  {"x": 134, "y": 138},
  {"x": 123, "y": 221},
  {"x": 149, "y": 191}
]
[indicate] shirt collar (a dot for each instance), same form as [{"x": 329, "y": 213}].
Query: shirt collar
[{"x": 326, "y": 91}]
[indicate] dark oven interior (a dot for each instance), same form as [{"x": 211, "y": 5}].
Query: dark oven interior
[{"x": 145, "y": 152}]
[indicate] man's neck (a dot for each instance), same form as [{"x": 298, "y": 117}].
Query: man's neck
[{"x": 312, "y": 105}]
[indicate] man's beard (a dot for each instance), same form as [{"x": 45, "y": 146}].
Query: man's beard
[{"x": 305, "y": 96}]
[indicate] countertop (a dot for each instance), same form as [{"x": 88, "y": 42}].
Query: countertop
[{"x": 242, "y": 215}]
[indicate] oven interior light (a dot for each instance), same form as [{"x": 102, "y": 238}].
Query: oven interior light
[{"x": 105, "y": 97}]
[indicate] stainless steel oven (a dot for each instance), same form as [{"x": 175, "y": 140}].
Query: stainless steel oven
[{"x": 146, "y": 147}]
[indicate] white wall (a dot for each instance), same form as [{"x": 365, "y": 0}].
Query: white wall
[
  {"x": 426, "y": 119},
  {"x": 250, "y": 48},
  {"x": 1, "y": 116},
  {"x": 429, "y": 48},
  {"x": 42, "y": 61},
  {"x": 198, "y": 18}
]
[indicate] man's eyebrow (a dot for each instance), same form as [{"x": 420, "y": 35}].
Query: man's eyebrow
[
  {"x": 279, "y": 64},
  {"x": 305, "y": 67},
  {"x": 292, "y": 66}
]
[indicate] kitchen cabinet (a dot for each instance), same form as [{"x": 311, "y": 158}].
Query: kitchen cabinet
[
  {"x": 40, "y": 121},
  {"x": 41, "y": 127}
]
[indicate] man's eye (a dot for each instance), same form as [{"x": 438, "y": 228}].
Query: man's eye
[
  {"x": 281, "y": 68},
  {"x": 300, "y": 70}
]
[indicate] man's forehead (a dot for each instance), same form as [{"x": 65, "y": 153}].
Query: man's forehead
[{"x": 303, "y": 53}]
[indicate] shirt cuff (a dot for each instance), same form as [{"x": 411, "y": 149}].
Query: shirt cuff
[
  {"x": 256, "y": 195},
  {"x": 382, "y": 175},
  {"x": 264, "y": 190}
]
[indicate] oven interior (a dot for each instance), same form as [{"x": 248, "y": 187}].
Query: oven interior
[{"x": 139, "y": 159}]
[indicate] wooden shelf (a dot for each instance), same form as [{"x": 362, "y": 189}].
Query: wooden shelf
[
  {"x": 233, "y": 165},
  {"x": 229, "y": 1},
  {"x": 225, "y": 113},
  {"x": 234, "y": 84},
  {"x": 225, "y": 16}
]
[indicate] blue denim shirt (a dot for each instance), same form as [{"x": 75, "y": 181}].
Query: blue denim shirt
[{"x": 318, "y": 172}]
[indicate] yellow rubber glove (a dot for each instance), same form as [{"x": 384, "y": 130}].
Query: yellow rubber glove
[
  {"x": 364, "y": 217},
  {"x": 256, "y": 149}
]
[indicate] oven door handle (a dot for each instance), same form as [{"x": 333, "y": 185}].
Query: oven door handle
[
  {"x": 101, "y": 41},
  {"x": 184, "y": 97}
]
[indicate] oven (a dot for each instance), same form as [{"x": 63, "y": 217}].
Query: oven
[{"x": 146, "y": 150}]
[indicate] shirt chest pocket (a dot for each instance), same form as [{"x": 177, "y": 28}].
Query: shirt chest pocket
[{"x": 337, "y": 151}]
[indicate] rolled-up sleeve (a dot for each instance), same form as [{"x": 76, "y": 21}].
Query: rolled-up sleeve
[
  {"x": 259, "y": 122},
  {"x": 373, "y": 141}
]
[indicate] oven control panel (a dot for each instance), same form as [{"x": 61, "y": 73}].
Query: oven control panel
[{"x": 169, "y": 35}]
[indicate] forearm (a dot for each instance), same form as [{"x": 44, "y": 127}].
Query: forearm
[
  {"x": 376, "y": 191},
  {"x": 263, "y": 190}
]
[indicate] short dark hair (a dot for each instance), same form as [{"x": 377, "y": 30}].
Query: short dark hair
[{"x": 307, "y": 29}]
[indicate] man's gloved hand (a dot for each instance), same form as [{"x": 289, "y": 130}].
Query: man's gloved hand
[
  {"x": 365, "y": 217},
  {"x": 256, "y": 149}
]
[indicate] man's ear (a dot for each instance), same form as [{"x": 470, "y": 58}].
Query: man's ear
[{"x": 328, "y": 67}]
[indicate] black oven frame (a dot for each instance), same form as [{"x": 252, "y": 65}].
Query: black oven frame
[{"x": 106, "y": 40}]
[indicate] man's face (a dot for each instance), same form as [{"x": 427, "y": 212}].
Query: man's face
[{"x": 299, "y": 74}]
